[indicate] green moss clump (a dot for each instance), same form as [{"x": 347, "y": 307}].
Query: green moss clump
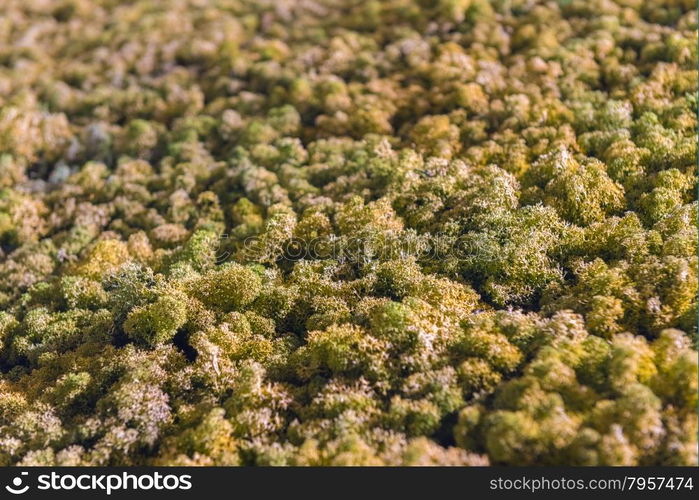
[
  {"x": 230, "y": 287},
  {"x": 157, "y": 323}
]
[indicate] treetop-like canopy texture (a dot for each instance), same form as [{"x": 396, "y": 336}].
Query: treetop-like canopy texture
[{"x": 348, "y": 232}]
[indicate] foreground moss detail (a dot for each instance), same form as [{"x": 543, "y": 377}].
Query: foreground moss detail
[{"x": 341, "y": 233}]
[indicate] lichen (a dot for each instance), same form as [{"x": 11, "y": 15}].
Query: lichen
[{"x": 400, "y": 232}]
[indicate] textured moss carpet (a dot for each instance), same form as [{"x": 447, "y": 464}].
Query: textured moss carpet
[{"x": 315, "y": 232}]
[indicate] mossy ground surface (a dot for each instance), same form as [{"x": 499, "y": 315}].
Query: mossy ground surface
[{"x": 348, "y": 232}]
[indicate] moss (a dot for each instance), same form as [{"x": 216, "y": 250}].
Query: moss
[
  {"x": 82, "y": 293},
  {"x": 157, "y": 323},
  {"x": 400, "y": 232},
  {"x": 229, "y": 287},
  {"x": 104, "y": 258}
]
